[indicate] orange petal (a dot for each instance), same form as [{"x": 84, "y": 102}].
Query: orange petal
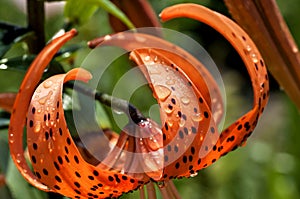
[
  {"x": 186, "y": 119},
  {"x": 238, "y": 132},
  {"x": 21, "y": 104},
  {"x": 196, "y": 71}
]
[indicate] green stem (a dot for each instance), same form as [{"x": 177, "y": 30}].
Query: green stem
[
  {"x": 36, "y": 21},
  {"x": 108, "y": 100}
]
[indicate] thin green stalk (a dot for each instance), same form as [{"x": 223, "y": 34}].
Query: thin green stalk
[{"x": 108, "y": 100}]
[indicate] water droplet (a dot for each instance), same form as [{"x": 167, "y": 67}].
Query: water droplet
[
  {"x": 170, "y": 123},
  {"x": 248, "y": 48},
  {"x": 45, "y": 98},
  {"x": 155, "y": 58},
  {"x": 11, "y": 138},
  {"x": 201, "y": 138},
  {"x": 37, "y": 127},
  {"x": 51, "y": 123},
  {"x": 197, "y": 117},
  {"x": 185, "y": 100},
  {"x": 153, "y": 70},
  {"x": 107, "y": 37},
  {"x": 18, "y": 158},
  {"x": 147, "y": 58},
  {"x": 41, "y": 156},
  {"x": 170, "y": 82},
  {"x": 193, "y": 175},
  {"x": 39, "y": 111},
  {"x": 50, "y": 146},
  {"x": 47, "y": 84},
  {"x": 140, "y": 39},
  {"x": 214, "y": 100},
  {"x": 168, "y": 110},
  {"x": 182, "y": 123},
  {"x": 162, "y": 92},
  {"x": 254, "y": 58}
]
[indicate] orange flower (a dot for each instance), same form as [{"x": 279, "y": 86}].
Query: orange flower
[{"x": 190, "y": 109}]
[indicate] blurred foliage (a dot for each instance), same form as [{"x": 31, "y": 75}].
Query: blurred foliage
[{"x": 267, "y": 167}]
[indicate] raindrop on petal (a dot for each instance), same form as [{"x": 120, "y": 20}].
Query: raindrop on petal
[
  {"x": 162, "y": 92},
  {"x": 185, "y": 100},
  {"x": 47, "y": 84}
]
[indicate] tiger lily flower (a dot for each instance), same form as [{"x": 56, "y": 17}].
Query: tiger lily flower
[{"x": 190, "y": 110}]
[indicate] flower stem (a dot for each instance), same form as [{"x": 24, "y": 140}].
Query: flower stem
[
  {"x": 36, "y": 21},
  {"x": 108, "y": 100}
]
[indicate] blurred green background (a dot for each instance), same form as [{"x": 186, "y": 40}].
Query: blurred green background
[{"x": 268, "y": 167}]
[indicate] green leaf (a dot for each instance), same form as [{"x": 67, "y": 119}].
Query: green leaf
[
  {"x": 102, "y": 117},
  {"x": 80, "y": 11},
  {"x": 114, "y": 10},
  {"x": 15, "y": 69},
  {"x": 20, "y": 63},
  {"x": 19, "y": 187},
  {"x": 8, "y": 34},
  {"x": 10, "y": 80}
]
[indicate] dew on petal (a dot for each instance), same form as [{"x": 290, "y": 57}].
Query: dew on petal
[
  {"x": 47, "y": 84},
  {"x": 185, "y": 100},
  {"x": 162, "y": 92}
]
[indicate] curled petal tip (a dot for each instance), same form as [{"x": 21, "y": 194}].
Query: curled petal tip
[
  {"x": 73, "y": 31},
  {"x": 78, "y": 74},
  {"x": 84, "y": 75},
  {"x": 95, "y": 42}
]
